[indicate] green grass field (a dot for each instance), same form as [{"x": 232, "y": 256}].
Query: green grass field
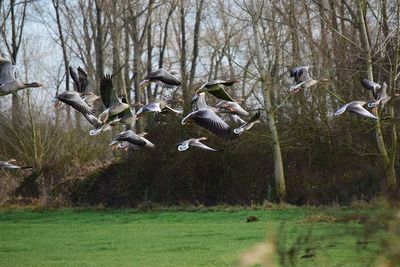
[{"x": 307, "y": 237}]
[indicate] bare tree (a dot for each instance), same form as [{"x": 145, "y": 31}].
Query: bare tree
[
  {"x": 56, "y": 5},
  {"x": 266, "y": 93},
  {"x": 187, "y": 81},
  {"x": 98, "y": 29},
  {"x": 149, "y": 49},
  {"x": 388, "y": 159},
  {"x": 138, "y": 37}
]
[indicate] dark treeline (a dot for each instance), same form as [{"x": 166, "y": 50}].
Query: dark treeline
[
  {"x": 300, "y": 153},
  {"x": 319, "y": 171}
]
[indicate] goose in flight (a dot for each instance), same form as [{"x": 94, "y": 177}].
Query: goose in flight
[
  {"x": 216, "y": 88},
  {"x": 209, "y": 120},
  {"x": 357, "y": 108},
  {"x": 9, "y": 82},
  {"x": 9, "y": 165},
  {"x": 82, "y": 85},
  {"x": 126, "y": 117},
  {"x": 73, "y": 99},
  {"x": 231, "y": 107},
  {"x": 383, "y": 98},
  {"x": 114, "y": 105},
  {"x": 196, "y": 143},
  {"x": 301, "y": 78},
  {"x": 162, "y": 77},
  {"x": 157, "y": 106},
  {"x": 128, "y": 139}
]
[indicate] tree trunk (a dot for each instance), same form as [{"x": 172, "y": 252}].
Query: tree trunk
[
  {"x": 388, "y": 163},
  {"x": 149, "y": 51},
  {"x": 136, "y": 67},
  {"x": 116, "y": 50},
  {"x": 127, "y": 53},
  {"x": 277, "y": 155},
  {"x": 56, "y": 6},
  {"x": 164, "y": 43},
  {"x": 184, "y": 81},
  {"x": 195, "y": 43},
  {"x": 136, "y": 81},
  {"x": 99, "y": 40}
]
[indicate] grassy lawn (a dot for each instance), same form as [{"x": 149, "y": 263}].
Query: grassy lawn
[{"x": 183, "y": 238}]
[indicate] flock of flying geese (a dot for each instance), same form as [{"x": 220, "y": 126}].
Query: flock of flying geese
[
  {"x": 366, "y": 109},
  {"x": 117, "y": 111}
]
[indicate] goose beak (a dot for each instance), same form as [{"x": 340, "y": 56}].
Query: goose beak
[
  {"x": 114, "y": 143},
  {"x": 57, "y": 104}
]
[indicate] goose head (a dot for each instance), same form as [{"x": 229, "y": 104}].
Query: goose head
[{"x": 183, "y": 146}]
